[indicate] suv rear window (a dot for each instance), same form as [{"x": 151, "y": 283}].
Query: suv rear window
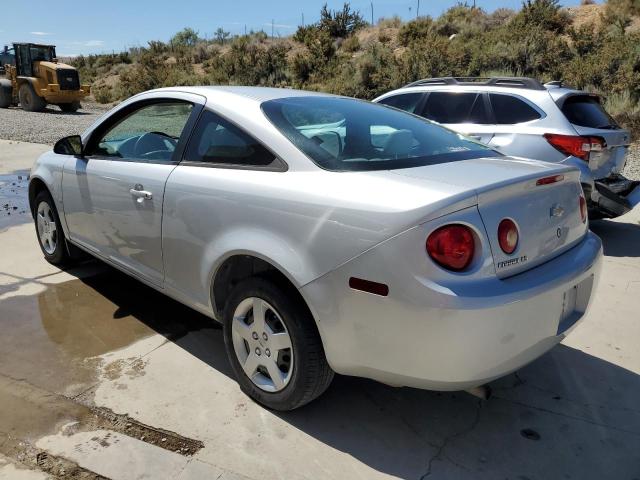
[
  {"x": 586, "y": 111},
  {"x": 405, "y": 101},
  {"x": 343, "y": 134},
  {"x": 455, "y": 107},
  {"x": 508, "y": 109}
]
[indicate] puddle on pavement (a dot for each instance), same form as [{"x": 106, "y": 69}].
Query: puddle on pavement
[
  {"x": 48, "y": 352},
  {"x": 50, "y": 339},
  {"x": 14, "y": 203}
]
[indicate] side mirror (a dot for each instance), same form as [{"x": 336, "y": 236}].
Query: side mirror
[{"x": 69, "y": 146}]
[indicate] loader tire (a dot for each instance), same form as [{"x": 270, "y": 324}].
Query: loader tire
[
  {"x": 70, "y": 107},
  {"x": 29, "y": 100},
  {"x": 5, "y": 94}
]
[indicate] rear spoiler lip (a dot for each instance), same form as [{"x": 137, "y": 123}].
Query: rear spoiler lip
[{"x": 570, "y": 173}]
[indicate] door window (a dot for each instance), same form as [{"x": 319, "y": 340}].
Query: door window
[
  {"x": 150, "y": 133},
  {"x": 509, "y": 109},
  {"x": 218, "y": 141},
  {"x": 406, "y": 101},
  {"x": 455, "y": 107}
]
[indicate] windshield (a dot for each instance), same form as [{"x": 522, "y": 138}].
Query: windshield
[
  {"x": 42, "y": 54},
  {"x": 344, "y": 134},
  {"x": 586, "y": 111}
]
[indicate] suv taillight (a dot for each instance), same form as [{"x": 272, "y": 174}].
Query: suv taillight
[
  {"x": 451, "y": 246},
  {"x": 575, "y": 145}
]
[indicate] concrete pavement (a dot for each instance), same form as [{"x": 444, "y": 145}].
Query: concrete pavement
[{"x": 102, "y": 376}]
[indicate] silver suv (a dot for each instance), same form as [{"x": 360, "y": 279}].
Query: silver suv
[{"x": 522, "y": 117}]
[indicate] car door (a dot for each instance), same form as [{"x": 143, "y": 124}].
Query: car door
[
  {"x": 113, "y": 196},
  {"x": 515, "y": 130}
]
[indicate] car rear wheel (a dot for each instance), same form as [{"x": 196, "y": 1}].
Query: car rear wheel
[
  {"x": 273, "y": 346},
  {"x": 50, "y": 234},
  {"x": 29, "y": 100}
]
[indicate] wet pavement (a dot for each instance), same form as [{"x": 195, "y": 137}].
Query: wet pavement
[
  {"x": 14, "y": 204},
  {"x": 103, "y": 377}
]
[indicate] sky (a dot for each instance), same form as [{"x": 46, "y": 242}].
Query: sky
[{"x": 114, "y": 25}]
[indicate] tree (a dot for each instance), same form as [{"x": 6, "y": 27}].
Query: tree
[
  {"x": 186, "y": 37},
  {"x": 340, "y": 23},
  {"x": 221, "y": 35}
]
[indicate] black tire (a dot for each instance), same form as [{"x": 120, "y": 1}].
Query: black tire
[
  {"x": 29, "y": 100},
  {"x": 70, "y": 107},
  {"x": 310, "y": 374},
  {"x": 6, "y": 94},
  {"x": 58, "y": 256}
]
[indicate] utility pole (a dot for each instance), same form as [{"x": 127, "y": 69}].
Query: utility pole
[
  {"x": 271, "y": 28},
  {"x": 372, "y": 23},
  {"x": 418, "y": 9},
  {"x": 302, "y": 19}
]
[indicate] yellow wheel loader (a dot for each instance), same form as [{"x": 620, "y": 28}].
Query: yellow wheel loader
[{"x": 34, "y": 78}]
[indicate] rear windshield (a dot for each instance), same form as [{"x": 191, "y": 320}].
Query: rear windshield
[
  {"x": 586, "y": 111},
  {"x": 344, "y": 134}
]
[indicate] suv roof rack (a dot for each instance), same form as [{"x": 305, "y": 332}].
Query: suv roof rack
[{"x": 513, "y": 82}]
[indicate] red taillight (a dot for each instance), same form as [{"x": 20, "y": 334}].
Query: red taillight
[
  {"x": 575, "y": 145},
  {"x": 508, "y": 236},
  {"x": 550, "y": 180},
  {"x": 583, "y": 209},
  {"x": 451, "y": 246}
]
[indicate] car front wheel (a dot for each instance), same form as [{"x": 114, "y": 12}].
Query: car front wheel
[
  {"x": 273, "y": 345},
  {"x": 50, "y": 234}
]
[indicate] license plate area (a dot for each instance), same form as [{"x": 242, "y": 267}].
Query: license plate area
[{"x": 574, "y": 303}]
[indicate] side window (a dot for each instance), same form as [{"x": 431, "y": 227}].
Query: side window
[
  {"x": 150, "y": 133},
  {"x": 509, "y": 109},
  {"x": 215, "y": 140},
  {"x": 406, "y": 101},
  {"x": 454, "y": 107}
]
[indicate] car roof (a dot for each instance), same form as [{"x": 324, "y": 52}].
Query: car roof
[
  {"x": 258, "y": 94},
  {"x": 556, "y": 92}
]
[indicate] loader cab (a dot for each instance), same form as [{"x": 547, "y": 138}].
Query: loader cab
[
  {"x": 27, "y": 53},
  {"x": 6, "y": 58}
]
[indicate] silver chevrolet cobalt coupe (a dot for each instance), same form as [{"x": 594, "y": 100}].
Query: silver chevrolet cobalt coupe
[{"x": 326, "y": 234}]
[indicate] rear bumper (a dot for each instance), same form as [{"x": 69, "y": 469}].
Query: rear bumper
[
  {"x": 614, "y": 196},
  {"x": 427, "y": 336}
]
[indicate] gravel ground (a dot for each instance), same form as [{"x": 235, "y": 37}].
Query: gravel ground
[
  {"x": 632, "y": 170},
  {"x": 49, "y": 126}
]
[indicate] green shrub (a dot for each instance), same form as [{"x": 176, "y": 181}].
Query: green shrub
[{"x": 351, "y": 44}]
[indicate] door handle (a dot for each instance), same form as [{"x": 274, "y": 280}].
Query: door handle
[
  {"x": 476, "y": 137},
  {"x": 140, "y": 194}
]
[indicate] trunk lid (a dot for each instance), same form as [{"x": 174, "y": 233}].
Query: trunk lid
[{"x": 547, "y": 216}]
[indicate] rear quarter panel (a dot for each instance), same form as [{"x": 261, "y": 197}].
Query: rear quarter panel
[{"x": 304, "y": 223}]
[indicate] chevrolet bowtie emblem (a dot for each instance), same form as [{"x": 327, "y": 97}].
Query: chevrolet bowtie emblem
[{"x": 556, "y": 211}]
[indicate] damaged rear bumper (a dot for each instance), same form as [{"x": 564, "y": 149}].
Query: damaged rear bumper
[{"x": 613, "y": 196}]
